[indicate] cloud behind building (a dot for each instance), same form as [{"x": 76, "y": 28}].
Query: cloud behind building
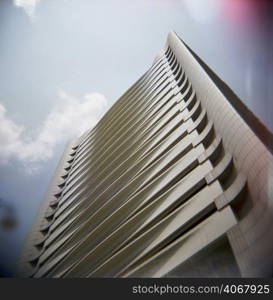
[{"x": 68, "y": 119}]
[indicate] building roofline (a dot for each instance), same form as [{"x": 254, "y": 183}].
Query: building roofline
[{"x": 256, "y": 125}]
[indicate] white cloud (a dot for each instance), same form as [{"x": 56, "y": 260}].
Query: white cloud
[
  {"x": 29, "y": 6},
  {"x": 70, "y": 118}
]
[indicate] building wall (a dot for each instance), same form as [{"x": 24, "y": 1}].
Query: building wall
[{"x": 250, "y": 238}]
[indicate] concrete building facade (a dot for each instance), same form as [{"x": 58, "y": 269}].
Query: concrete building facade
[{"x": 174, "y": 181}]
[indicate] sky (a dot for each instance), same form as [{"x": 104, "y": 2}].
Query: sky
[{"x": 63, "y": 63}]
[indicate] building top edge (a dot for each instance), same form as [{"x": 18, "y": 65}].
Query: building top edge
[{"x": 253, "y": 122}]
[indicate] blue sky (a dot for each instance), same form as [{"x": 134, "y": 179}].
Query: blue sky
[{"x": 65, "y": 62}]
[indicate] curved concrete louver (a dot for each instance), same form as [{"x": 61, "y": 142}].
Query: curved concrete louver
[{"x": 172, "y": 182}]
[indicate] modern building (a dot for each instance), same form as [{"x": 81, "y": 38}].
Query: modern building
[{"x": 174, "y": 181}]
